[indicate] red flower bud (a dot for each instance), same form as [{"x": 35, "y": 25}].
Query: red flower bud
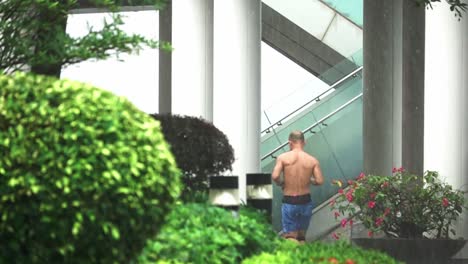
[
  {"x": 371, "y": 204},
  {"x": 379, "y": 221},
  {"x": 335, "y": 236},
  {"x": 445, "y": 202},
  {"x": 361, "y": 176},
  {"x": 337, "y": 214},
  {"x": 343, "y": 222},
  {"x": 387, "y": 211}
]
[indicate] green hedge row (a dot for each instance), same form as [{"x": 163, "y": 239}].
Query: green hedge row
[{"x": 201, "y": 233}]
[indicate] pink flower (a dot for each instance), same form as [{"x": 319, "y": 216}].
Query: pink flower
[
  {"x": 332, "y": 202},
  {"x": 379, "y": 221},
  {"x": 394, "y": 170},
  {"x": 350, "y": 222},
  {"x": 349, "y": 196},
  {"x": 370, "y": 234},
  {"x": 445, "y": 202},
  {"x": 337, "y": 214},
  {"x": 343, "y": 222},
  {"x": 387, "y": 211},
  {"x": 350, "y": 182},
  {"x": 371, "y": 204},
  {"x": 361, "y": 176},
  {"x": 335, "y": 236},
  {"x": 401, "y": 169},
  {"x": 385, "y": 184},
  {"x": 372, "y": 195},
  {"x": 340, "y": 191}
]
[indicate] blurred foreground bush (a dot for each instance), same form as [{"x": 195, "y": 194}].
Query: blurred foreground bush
[
  {"x": 337, "y": 253},
  {"x": 85, "y": 177}
]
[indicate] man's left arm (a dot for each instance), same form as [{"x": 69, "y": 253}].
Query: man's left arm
[{"x": 275, "y": 175}]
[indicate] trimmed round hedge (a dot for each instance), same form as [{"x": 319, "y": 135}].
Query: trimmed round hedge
[
  {"x": 85, "y": 177},
  {"x": 202, "y": 233},
  {"x": 200, "y": 149}
]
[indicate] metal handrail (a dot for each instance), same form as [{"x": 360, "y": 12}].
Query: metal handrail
[
  {"x": 315, "y": 124},
  {"x": 317, "y": 98}
]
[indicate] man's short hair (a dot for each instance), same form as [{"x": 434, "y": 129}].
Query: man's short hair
[{"x": 296, "y": 136}]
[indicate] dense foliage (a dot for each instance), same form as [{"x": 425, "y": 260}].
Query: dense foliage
[
  {"x": 33, "y": 34},
  {"x": 201, "y": 150},
  {"x": 336, "y": 253},
  {"x": 85, "y": 177},
  {"x": 201, "y": 233},
  {"x": 401, "y": 205}
]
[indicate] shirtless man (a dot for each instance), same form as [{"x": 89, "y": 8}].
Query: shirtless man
[{"x": 300, "y": 170}]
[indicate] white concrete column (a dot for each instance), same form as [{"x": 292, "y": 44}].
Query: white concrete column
[
  {"x": 191, "y": 83},
  {"x": 446, "y": 97},
  {"x": 237, "y": 40}
]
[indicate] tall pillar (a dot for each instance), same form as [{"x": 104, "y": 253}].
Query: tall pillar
[
  {"x": 446, "y": 122},
  {"x": 191, "y": 72},
  {"x": 393, "y": 109},
  {"x": 165, "y": 59},
  {"x": 382, "y": 73},
  {"x": 237, "y": 40},
  {"x": 414, "y": 26}
]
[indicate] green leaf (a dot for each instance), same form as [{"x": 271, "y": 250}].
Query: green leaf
[
  {"x": 115, "y": 232},
  {"x": 76, "y": 228}
]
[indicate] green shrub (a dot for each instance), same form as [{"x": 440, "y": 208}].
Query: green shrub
[
  {"x": 337, "y": 253},
  {"x": 85, "y": 177},
  {"x": 201, "y": 233},
  {"x": 200, "y": 149}
]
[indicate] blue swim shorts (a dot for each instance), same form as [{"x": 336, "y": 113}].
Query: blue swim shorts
[{"x": 296, "y": 217}]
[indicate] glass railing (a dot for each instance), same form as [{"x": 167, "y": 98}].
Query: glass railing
[
  {"x": 341, "y": 69},
  {"x": 335, "y": 139},
  {"x": 278, "y": 134},
  {"x": 307, "y": 94},
  {"x": 351, "y": 9}
]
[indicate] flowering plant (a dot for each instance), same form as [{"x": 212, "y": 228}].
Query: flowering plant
[{"x": 402, "y": 205}]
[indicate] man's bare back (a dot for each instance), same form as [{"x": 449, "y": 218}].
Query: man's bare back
[{"x": 298, "y": 168}]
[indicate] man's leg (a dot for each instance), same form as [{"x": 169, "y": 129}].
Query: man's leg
[
  {"x": 289, "y": 221},
  {"x": 305, "y": 216}
]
